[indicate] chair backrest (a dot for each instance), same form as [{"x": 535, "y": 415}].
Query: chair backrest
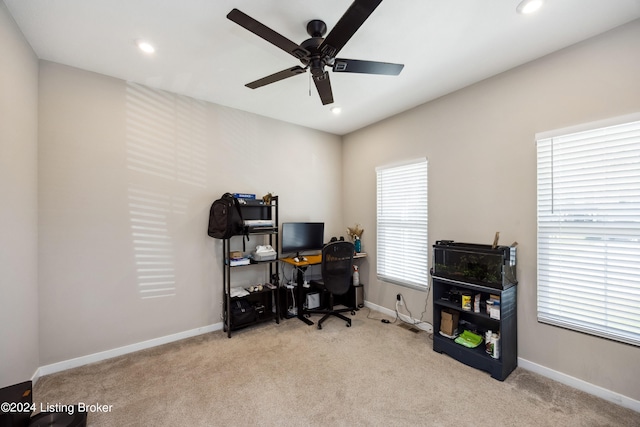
[{"x": 337, "y": 263}]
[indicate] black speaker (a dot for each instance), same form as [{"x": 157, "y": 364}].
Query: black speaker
[{"x": 19, "y": 397}]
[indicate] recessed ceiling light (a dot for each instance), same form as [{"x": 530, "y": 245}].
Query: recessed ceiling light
[
  {"x": 145, "y": 46},
  {"x": 336, "y": 110},
  {"x": 529, "y": 6}
]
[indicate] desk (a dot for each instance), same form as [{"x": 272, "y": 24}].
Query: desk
[{"x": 302, "y": 266}]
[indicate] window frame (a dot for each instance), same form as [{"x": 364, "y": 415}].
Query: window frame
[
  {"x": 588, "y": 252},
  {"x": 402, "y": 224}
]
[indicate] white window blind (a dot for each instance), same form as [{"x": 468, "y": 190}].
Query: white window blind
[
  {"x": 589, "y": 231},
  {"x": 402, "y": 224}
]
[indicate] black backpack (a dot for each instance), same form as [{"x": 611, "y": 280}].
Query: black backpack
[{"x": 225, "y": 218}]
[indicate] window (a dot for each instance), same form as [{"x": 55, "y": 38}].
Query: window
[
  {"x": 589, "y": 229},
  {"x": 402, "y": 224}
]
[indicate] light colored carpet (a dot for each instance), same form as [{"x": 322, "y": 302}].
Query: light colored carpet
[{"x": 371, "y": 374}]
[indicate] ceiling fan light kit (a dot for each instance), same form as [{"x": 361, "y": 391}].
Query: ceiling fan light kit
[{"x": 318, "y": 51}]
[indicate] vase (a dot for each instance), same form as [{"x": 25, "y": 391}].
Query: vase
[{"x": 358, "y": 245}]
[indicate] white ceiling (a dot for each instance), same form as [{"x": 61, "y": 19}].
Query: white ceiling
[{"x": 444, "y": 44}]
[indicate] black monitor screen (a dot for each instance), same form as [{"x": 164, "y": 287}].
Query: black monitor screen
[{"x": 302, "y": 236}]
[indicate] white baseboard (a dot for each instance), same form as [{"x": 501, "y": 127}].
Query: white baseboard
[
  {"x": 108, "y": 354},
  {"x": 425, "y": 326},
  {"x": 576, "y": 383},
  {"x": 595, "y": 390},
  {"x": 104, "y": 355},
  {"x": 603, "y": 393}
]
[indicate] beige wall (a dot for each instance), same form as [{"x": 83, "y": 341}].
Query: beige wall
[
  {"x": 18, "y": 205},
  {"x": 482, "y": 178},
  {"x": 114, "y": 156},
  {"x": 97, "y": 177}
]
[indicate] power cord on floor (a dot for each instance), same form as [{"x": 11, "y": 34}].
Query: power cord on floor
[
  {"x": 397, "y": 317},
  {"x": 416, "y": 322},
  {"x": 426, "y": 305}
]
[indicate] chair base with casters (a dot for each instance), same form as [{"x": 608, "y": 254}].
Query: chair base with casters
[{"x": 331, "y": 311}]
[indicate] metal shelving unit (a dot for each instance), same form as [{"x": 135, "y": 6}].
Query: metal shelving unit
[{"x": 265, "y": 301}]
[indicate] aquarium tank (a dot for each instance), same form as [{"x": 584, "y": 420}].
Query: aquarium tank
[{"x": 485, "y": 265}]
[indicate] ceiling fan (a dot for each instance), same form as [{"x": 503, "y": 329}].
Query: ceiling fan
[{"x": 317, "y": 52}]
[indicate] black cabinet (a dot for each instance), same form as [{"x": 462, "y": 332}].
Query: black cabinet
[
  {"x": 483, "y": 274},
  {"x": 260, "y": 301}
]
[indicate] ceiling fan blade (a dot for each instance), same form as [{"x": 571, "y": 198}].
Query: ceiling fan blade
[
  {"x": 323, "y": 84},
  {"x": 267, "y": 33},
  {"x": 366, "y": 67},
  {"x": 276, "y": 77},
  {"x": 348, "y": 24}
]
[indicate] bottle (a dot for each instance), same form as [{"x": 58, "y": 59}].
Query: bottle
[
  {"x": 487, "y": 342},
  {"x": 495, "y": 341},
  {"x": 356, "y": 276},
  {"x": 466, "y": 301}
]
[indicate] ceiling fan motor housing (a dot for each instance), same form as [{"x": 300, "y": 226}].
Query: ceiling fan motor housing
[
  {"x": 315, "y": 60},
  {"x": 318, "y": 51}
]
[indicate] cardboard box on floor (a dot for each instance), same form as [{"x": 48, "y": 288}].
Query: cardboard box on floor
[{"x": 449, "y": 321}]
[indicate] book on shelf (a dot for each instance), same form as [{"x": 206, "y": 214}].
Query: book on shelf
[{"x": 244, "y": 196}]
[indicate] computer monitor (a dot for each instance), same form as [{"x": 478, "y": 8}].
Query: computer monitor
[{"x": 299, "y": 237}]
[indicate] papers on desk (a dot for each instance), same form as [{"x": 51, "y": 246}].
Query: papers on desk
[{"x": 238, "y": 291}]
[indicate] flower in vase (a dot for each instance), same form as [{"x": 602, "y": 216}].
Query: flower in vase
[{"x": 355, "y": 232}]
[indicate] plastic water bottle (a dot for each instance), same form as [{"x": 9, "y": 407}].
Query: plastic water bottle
[
  {"x": 358, "y": 245},
  {"x": 356, "y": 276}
]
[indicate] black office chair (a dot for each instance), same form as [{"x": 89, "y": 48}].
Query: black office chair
[{"x": 337, "y": 264}]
